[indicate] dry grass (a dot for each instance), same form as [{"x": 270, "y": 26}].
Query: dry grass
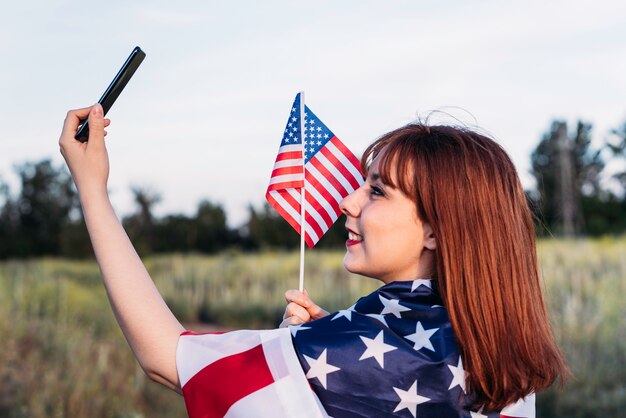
[{"x": 63, "y": 356}]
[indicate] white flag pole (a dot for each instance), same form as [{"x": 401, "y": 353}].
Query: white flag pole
[{"x": 302, "y": 211}]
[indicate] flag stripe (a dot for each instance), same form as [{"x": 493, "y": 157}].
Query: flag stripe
[
  {"x": 214, "y": 389},
  {"x": 334, "y": 176},
  {"x": 347, "y": 158},
  {"x": 335, "y": 157},
  {"x": 320, "y": 205},
  {"x": 326, "y": 183}
]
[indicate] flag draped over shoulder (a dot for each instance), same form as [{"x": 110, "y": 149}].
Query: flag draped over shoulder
[
  {"x": 244, "y": 374},
  {"x": 311, "y": 157},
  {"x": 392, "y": 354}
]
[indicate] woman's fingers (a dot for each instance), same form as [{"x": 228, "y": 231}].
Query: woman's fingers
[
  {"x": 72, "y": 120},
  {"x": 292, "y": 320},
  {"x": 303, "y": 300},
  {"x": 293, "y": 309},
  {"x": 96, "y": 126}
]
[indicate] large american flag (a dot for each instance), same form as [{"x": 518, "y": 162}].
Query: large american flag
[
  {"x": 392, "y": 354},
  {"x": 328, "y": 172}
]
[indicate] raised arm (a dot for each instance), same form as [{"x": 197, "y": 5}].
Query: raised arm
[{"x": 149, "y": 326}]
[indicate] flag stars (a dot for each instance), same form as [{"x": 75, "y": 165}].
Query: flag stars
[
  {"x": 421, "y": 338},
  {"x": 320, "y": 368},
  {"x": 376, "y": 348},
  {"x": 458, "y": 375},
  {"x": 409, "y": 399},
  {"x": 478, "y": 414},
  {"x": 293, "y": 119},
  {"x": 392, "y": 306},
  {"x": 346, "y": 313},
  {"x": 296, "y": 328},
  {"x": 326, "y": 136},
  {"x": 319, "y": 143},
  {"x": 419, "y": 282}
]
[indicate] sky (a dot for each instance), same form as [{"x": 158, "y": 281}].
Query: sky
[{"x": 203, "y": 116}]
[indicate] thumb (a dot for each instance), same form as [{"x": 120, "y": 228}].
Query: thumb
[{"x": 96, "y": 125}]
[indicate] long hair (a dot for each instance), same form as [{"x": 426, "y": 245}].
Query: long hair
[{"x": 466, "y": 187}]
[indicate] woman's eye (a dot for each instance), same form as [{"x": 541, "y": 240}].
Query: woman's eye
[{"x": 376, "y": 191}]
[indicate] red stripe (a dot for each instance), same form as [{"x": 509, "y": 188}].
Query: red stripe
[
  {"x": 340, "y": 167},
  {"x": 283, "y": 171},
  {"x": 282, "y": 212},
  {"x": 330, "y": 177},
  {"x": 296, "y": 184},
  {"x": 325, "y": 193},
  {"x": 289, "y": 155},
  {"x": 187, "y": 332},
  {"x": 314, "y": 225},
  {"x": 213, "y": 390},
  {"x": 347, "y": 153},
  {"x": 315, "y": 204}
]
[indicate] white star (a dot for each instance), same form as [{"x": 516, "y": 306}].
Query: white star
[
  {"x": 352, "y": 308},
  {"x": 458, "y": 375},
  {"x": 294, "y": 119},
  {"x": 290, "y": 134},
  {"x": 421, "y": 338},
  {"x": 306, "y": 142},
  {"x": 478, "y": 414},
  {"x": 286, "y": 139},
  {"x": 381, "y": 318},
  {"x": 392, "y": 306},
  {"x": 293, "y": 109},
  {"x": 417, "y": 283},
  {"x": 346, "y": 313},
  {"x": 319, "y": 129},
  {"x": 320, "y": 368},
  {"x": 290, "y": 124},
  {"x": 325, "y": 136},
  {"x": 376, "y": 348},
  {"x": 312, "y": 149},
  {"x": 312, "y": 121},
  {"x": 409, "y": 399},
  {"x": 319, "y": 136},
  {"x": 295, "y": 129},
  {"x": 295, "y": 328},
  {"x": 319, "y": 143}
]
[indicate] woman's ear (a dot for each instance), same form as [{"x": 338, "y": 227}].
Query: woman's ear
[{"x": 429, "y": 237}]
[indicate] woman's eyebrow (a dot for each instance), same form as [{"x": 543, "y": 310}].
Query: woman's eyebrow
[{"x": 375, "y": 176}]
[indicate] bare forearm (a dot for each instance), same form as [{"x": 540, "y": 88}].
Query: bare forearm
[{"x": 147, "y": 323}]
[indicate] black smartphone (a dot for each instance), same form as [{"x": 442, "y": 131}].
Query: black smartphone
[{"x": 115, "y": 88}]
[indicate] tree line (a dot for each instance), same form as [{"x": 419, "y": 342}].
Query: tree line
[{"x": 573, "y": 197}]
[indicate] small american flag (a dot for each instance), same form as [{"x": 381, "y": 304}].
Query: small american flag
[{"x": 328, "y": 172}]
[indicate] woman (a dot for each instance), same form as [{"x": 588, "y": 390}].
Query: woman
[{"x": 441, "y": 220}]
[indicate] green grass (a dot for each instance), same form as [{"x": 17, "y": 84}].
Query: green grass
[{"x": 63, "y": 355}]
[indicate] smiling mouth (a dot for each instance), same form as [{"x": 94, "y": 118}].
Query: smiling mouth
[{"x": 353, "y": 238}]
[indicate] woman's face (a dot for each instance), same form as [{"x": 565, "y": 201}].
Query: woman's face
[{"x": 386, "y": 238}]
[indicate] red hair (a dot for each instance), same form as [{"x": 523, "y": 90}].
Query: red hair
[{"x": 466, "y": 187}]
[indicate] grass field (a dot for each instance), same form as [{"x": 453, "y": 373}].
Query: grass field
[{"x": 62, "y": 355}]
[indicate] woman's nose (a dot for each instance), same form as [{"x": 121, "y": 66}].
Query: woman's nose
[{"x": 349, "y": 205}]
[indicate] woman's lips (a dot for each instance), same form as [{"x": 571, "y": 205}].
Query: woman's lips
[{"x": 353, "y": 238}]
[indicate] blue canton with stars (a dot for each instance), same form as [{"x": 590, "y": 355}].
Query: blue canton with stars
[
  {"x": 316, "y": 134},
  {"x": 392, "y": 354}
]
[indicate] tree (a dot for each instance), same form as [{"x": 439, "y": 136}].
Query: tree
[
  {"x": 567, "y": 172},
  {"x": 617, "y": 146},
  {"x": 212, "y": 233},
  {"x": 43, "y": 208},
  {"x": 141, "y": 225}
]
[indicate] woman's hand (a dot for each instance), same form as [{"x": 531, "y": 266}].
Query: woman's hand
[
  {"x": 300, "y": 309},
  {"x": 88, "y": 161}
]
